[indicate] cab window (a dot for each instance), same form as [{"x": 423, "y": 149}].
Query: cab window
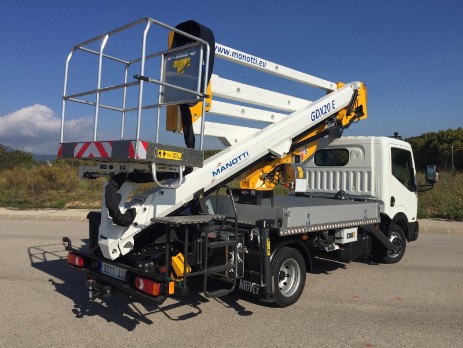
[
  {"x": 331, "y": 157},
  {"x": 402, "y": 167}
]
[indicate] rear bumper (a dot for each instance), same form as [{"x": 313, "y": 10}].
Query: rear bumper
[
  {"x": 127, "y": 287},
  {"x": 117, "y": 285}
]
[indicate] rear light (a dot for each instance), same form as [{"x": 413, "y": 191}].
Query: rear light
[
  {"x": 152, "y": 288},
  {"x": 75, "y": 260}
]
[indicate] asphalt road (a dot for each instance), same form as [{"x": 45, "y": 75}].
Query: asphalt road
[{"x": 416, "y": 303}]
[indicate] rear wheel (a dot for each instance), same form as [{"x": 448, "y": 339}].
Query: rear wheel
[{"x": 288, "y": 273}]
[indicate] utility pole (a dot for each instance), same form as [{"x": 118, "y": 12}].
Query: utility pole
[{"x": 453, "y": 166}]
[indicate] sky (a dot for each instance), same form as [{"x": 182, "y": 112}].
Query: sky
[{"x": 408, "y": 53}]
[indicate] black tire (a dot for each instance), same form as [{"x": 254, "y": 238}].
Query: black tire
[
  {"x": 398, "y": 238},
  {"x": 288, "y": 273}
]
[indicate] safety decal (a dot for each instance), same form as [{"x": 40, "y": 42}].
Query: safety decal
[
  {"x": 171, "y": 155},
  {"x": 181, "y": 64}
]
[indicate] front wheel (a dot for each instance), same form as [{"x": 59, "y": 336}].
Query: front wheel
[
  {"x": 398, "y": 238},
  {"x": 288, "y": 273}
]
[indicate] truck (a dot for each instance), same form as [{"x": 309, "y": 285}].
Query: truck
[{"x": 351, "y": 197}]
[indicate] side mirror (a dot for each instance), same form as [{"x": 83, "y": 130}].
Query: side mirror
[{"x": 432, "y": 174}]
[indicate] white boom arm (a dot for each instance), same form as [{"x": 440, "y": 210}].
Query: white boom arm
[
  {"x": 275, "y": 139},
  {"x": 257, "y": 63},
  {"x": 286, "y": 117}
]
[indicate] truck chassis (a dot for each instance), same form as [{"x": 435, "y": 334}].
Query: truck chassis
[{"x": 264, "y": 250}]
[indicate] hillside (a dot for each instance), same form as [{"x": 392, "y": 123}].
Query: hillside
[
  {"x": 6, "y": 148},
  {"x": 35, "y": 157}
]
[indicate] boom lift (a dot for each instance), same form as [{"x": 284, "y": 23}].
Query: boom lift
[{"x": 148, "y": 246}]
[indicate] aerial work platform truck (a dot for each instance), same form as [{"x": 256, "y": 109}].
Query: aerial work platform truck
[{"x": 352, "y": 197}]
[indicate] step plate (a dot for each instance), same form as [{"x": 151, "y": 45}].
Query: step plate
[
  {"x": 187, "y": 219},
  {"x": 128, "y": 151}
]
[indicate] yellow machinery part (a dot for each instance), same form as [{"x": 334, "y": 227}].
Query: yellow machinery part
[
  {"x": 361, "y": 101},
  {"x": 171, "y": 288},
  {"x": 178, "y": 266},
  {"x": 173, "y": 119},
  {"x": 255, "y": 178}
]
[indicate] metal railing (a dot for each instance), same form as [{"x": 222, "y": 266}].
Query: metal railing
[{"x": 140, "y": 78}]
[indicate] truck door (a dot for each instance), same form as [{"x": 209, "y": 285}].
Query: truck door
[{"x": 403, "y": 195}]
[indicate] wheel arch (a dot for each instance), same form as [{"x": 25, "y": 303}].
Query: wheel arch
[
  {"x": 399, "y": 219},
  {"x": 295, "y": 244}
]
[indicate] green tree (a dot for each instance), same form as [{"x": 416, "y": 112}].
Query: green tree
[
  {"x": 11, "y": 159},
  {"x": 436, "y": 148}
]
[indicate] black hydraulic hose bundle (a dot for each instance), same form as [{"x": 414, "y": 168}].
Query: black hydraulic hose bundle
[{"x": 113, "y": 198}]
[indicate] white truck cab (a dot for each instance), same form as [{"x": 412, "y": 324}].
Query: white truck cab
[{"x": 379, "y": 169}]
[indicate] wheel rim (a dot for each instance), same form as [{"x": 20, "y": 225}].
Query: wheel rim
[
  {"x": 289, "y": 277},
  {"x": 397, "y": 241}
]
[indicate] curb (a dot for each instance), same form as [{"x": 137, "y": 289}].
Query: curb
[
  {"x": 45, "y": 215},
  {"x": 437, "y": 226},
  {"x": 41, "y": 217}
]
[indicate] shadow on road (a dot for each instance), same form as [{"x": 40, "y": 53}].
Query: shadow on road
[
  {"x": 52, "y": 260},
  {"x": 323, "y": 264}
]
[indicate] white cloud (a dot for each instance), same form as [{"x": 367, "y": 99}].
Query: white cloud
[{"x": 36, "y": 129}]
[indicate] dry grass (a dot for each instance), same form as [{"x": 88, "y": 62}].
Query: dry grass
[
  {"x": 445, "y": 200},
  {"x": 58, "y": 186}
]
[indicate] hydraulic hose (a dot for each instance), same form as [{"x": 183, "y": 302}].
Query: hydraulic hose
[{"x": 113, "y": 198}]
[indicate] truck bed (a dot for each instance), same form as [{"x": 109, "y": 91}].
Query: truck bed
[{"x": 294, "y": 215}]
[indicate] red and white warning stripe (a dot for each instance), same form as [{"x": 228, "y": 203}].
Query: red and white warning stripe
[
  {"x": 101, "y": 149},
  {"x": 60, "y": 150},
  {"x": 141, "y": 151}
]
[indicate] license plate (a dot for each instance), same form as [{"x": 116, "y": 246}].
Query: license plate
[{"x": 113, "y": 271}]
